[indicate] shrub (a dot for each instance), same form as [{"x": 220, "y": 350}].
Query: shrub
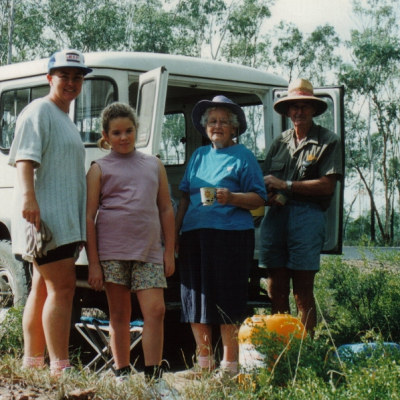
[
  {"x": 354, "y": 299},
  {"x": 312, "y": 369},
  {"x": 11, "y": 336}
]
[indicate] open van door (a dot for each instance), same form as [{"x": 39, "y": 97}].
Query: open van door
[
  {"x": 150, "y": 108},
  {"x": 150, "y": 111},
  {"x": 332, "y": 119}
]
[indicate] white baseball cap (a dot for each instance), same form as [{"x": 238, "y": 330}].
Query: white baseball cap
[{"x": 68, "y": 58}]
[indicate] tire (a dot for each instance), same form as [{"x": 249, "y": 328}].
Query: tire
[{"x": 14, "y": 278}]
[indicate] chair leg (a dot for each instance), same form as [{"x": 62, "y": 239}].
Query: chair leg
[{"x": 103, "y": 349}]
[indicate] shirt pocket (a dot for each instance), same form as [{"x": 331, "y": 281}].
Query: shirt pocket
[{"x": 277, "y": 169}]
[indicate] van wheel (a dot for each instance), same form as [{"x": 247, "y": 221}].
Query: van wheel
[{"x": 14, "y": 277}]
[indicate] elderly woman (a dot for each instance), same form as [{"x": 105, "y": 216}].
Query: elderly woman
[
  {"x": 302, "y": 167},
  {"x": 217, "y": 243},
  {"x": 51, "y": 187}
]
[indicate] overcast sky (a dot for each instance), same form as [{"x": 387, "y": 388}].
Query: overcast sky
[{"x": 308, "y": 14}]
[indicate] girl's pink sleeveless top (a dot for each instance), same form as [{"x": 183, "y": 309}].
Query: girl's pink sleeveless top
[{"x": 128, "y": 223}]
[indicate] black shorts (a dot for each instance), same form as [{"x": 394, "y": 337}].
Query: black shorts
[
  {"x": 60, "y": 253},
  {"x": 214, "y": 266}
]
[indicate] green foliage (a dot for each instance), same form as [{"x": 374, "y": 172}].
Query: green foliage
[
  {"x": 356, "y": 305},
  {"x": 27, "y": 40},
  {"x": 357, "y": 230},
  {"x": 371, "y": 81},
  {"x": 245, "y": 45},
  {"x": 310, "y": 57},
  {"x": 196, "y": 23},
  {"x": 253, "y": 138},
  {"x": 88, "y": 25},
  {"x": 357, "y": 299},
  {"x": 172, "y": 150},
  {"x": 151, "y": 27},
  {"x": 313, "y": 369},
  {"x": 286, "y": 358},
  {"x": 11, "y": 336}
]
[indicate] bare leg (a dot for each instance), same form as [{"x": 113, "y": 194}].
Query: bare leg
[
  {"x": 202, "y": 335},
  {"x": 119, "y": 302},
  {"x": 59, "y": 278},
  {"x": 229, "y": 335},
  {"x": 153, "y": 309},
  {"x": 279, "y": 289},
  {"x": 34, "y": 339},
  {"x": 303, "y": 290}
]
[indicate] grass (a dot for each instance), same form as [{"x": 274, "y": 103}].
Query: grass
[{"x": 356, "y": 303}]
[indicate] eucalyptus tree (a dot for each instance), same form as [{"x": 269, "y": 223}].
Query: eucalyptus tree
[
  {"x": 150, "y": 26},
  {"x": 222, "y": 30},
  {"x": 372, "y": 83},
  {"x": 21, "y": 31},
  {"x": 88, "y": 25},
  {"x": 245, "y": 43},
  {"x": 313, "y": 57},
  {"x": 197, "y": 24}
]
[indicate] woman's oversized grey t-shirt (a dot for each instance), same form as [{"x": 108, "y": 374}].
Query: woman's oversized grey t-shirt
[{"x": 46, "y": 135}]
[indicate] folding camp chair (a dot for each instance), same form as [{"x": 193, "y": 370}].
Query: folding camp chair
[{"x": 97, "y": 334}]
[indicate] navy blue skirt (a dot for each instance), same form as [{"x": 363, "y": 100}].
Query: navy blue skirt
[{"x": 214, "y": 266}]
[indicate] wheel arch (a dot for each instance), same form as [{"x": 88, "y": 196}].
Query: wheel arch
[{"x": 5, "y": 229}]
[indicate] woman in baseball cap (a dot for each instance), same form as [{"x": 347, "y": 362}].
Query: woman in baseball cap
[{"x": 50, "y": 159}]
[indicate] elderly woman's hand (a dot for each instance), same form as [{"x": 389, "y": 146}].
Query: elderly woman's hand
[{"x": 224, "y": 196}]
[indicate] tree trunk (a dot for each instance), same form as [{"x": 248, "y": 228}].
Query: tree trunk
[
  {"x": 10, "y": 32},
  {"x": 373, "y": 231}
]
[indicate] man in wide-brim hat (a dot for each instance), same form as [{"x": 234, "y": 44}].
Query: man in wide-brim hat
[{"x": 300, "y": 174}]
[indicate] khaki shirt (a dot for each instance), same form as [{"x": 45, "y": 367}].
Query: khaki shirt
[{"x": 318, "y": 155}]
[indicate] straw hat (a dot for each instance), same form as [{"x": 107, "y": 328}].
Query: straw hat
[
  {"x": 300, "y": 89},
  {"x": 218, "y": 101}
]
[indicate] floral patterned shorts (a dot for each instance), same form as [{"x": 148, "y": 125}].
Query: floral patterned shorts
[{"x": 137, "y": 275}]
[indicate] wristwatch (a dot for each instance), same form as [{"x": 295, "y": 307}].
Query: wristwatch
[{"x": 289, "y": 185}]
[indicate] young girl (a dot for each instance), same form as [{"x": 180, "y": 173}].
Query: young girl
[{"x": 128, "y": 206}]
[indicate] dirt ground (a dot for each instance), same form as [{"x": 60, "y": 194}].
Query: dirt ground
[{"x": 13, "y": 387}]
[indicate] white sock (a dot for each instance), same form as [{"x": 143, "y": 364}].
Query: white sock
[
  {"x": 33, "y": 362},
  {"x": 56, "y": 367},
  {"x": 206, "y": 362},
  {"x": 231, "y": 366}
]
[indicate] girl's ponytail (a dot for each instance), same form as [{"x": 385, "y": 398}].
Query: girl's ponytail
[{"x": 103, "y": 144}]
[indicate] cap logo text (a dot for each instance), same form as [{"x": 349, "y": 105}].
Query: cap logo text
[{"x": 72, "y": 57}]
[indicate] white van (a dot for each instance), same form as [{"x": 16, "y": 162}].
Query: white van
[{"x": 163, "y": 89}]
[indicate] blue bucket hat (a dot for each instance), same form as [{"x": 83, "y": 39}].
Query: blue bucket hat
[
  {"x": 218, "y": 101},
  {"x": 68, "y": 59}
]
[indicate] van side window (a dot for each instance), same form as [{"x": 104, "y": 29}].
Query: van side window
[
  {"x": 254, "y": 137},
  {"x": 172, "y": 148},
  {"x": 327, "y": 118},
  {"x": 12, "y": 103},
  {"x": 96, "y": 94}
]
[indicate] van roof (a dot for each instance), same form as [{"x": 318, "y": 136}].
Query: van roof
[{"x": 143, "y": 62}]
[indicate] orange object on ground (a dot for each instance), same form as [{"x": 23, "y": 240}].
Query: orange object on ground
[{"x": 283, "y": 324}]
